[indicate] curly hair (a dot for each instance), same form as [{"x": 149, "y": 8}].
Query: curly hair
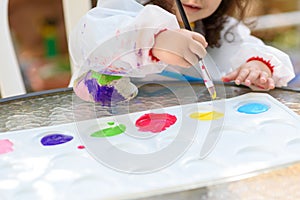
[{"x": 214, "y": 24}]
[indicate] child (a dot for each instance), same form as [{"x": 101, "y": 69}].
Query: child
[{"x": 122, "y": 38}]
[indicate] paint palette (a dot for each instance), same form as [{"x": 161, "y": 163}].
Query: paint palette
[{"x": 148, "y": 153}]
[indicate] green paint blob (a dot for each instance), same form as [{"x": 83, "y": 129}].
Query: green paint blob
[
  {"x": 108, "y": 132},
  {"x": 110, "y": 123},
  {"x": 103, "y": 79}
]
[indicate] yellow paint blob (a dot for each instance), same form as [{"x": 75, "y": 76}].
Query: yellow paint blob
[{"x": 207, "y": 115}]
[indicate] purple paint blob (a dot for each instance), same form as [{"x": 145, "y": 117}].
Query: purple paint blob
[{"x": 55, "y": 139}]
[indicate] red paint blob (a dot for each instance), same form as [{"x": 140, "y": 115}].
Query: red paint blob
[
  {"x": 81, "y": 147},
  {"x": 155, "y": 123}
]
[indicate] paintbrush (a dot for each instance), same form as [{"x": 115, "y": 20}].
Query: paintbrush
[{"x": 205, "y": 74}]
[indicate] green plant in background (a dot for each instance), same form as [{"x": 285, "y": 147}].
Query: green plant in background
[
  {"x": 287, "y": 40},
  {"x": 56, "y": 63}
]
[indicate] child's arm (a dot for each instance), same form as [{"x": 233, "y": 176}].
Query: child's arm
[
  {"x": 254, "y": 63},
  {"x": 116, "y": 38}
]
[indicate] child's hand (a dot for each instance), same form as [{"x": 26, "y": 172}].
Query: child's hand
[
  {"x": 179, "y": 47},
  {"x": 252, "y": 73}
]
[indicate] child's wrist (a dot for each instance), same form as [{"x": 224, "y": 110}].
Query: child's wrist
[
  {"x": 151, "y": 55},
  {"x": 261, "y": 59}
]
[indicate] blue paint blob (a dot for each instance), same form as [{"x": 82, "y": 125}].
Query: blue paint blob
[
  {"x": 253, "y": 108},
  {"x": 55, "y": 139}
]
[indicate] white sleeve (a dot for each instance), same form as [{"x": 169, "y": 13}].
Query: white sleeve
[
  {"x": 116, "y": 36},
  {"x": 245, "y": 46}
]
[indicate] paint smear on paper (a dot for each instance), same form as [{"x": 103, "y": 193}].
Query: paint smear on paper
[
  {"x": 55, "y": 139},
  {"x": 155, "y": 123},
  {"x": 206, "y": 116},
  {"x": 6, "y": 146},
  {"x": 111, "y": 131},
  {"x": 253, "y": 108}
]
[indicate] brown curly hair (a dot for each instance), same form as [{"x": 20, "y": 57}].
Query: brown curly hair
[{"x": 214, "y": 23}]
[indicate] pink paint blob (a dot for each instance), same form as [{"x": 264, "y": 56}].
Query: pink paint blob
[
  {"x": 155, "y": 123},
  {"x": 5, "y": 146}
]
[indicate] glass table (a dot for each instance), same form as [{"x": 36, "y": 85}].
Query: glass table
[{"x": 55, "y": 107}]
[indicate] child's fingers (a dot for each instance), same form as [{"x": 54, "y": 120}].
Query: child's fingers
[
  {"x": 231, "y": 76},
  {"x": 268, "y": 85},
  {"x": 200, "y": 38},
  {"x": 271, "y": 83},
  {"x": 190, "y": 57},
  {"x": 263, "y": 77},
  {"x": 198, "y": 49},
  {"x": 252, "y": 77},
  {"x": 266, "y": 81},
  {"x": 241, "y": 77}
]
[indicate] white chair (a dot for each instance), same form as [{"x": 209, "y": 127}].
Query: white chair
[
  {"x": 73, "y": 10},
  {"x": 11, "y": 81},
  {"x": 277, "y": 20}
]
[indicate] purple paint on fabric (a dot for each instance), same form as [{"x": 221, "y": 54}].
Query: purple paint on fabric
[
  {"x": 112, "y": 72},
  {"x": 140, "y": 53},
  {"x": 103, "y": 94},
  {"x": 55, "y": 139}
]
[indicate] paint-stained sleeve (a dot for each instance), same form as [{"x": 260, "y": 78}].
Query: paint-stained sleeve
[{"x": 115, "y": 38}]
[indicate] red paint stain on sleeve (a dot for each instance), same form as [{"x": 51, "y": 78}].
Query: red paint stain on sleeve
[{"x": 154, "y": 122}]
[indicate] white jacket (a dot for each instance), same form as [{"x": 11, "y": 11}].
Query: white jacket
[{"x": 115, "y": 38}]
